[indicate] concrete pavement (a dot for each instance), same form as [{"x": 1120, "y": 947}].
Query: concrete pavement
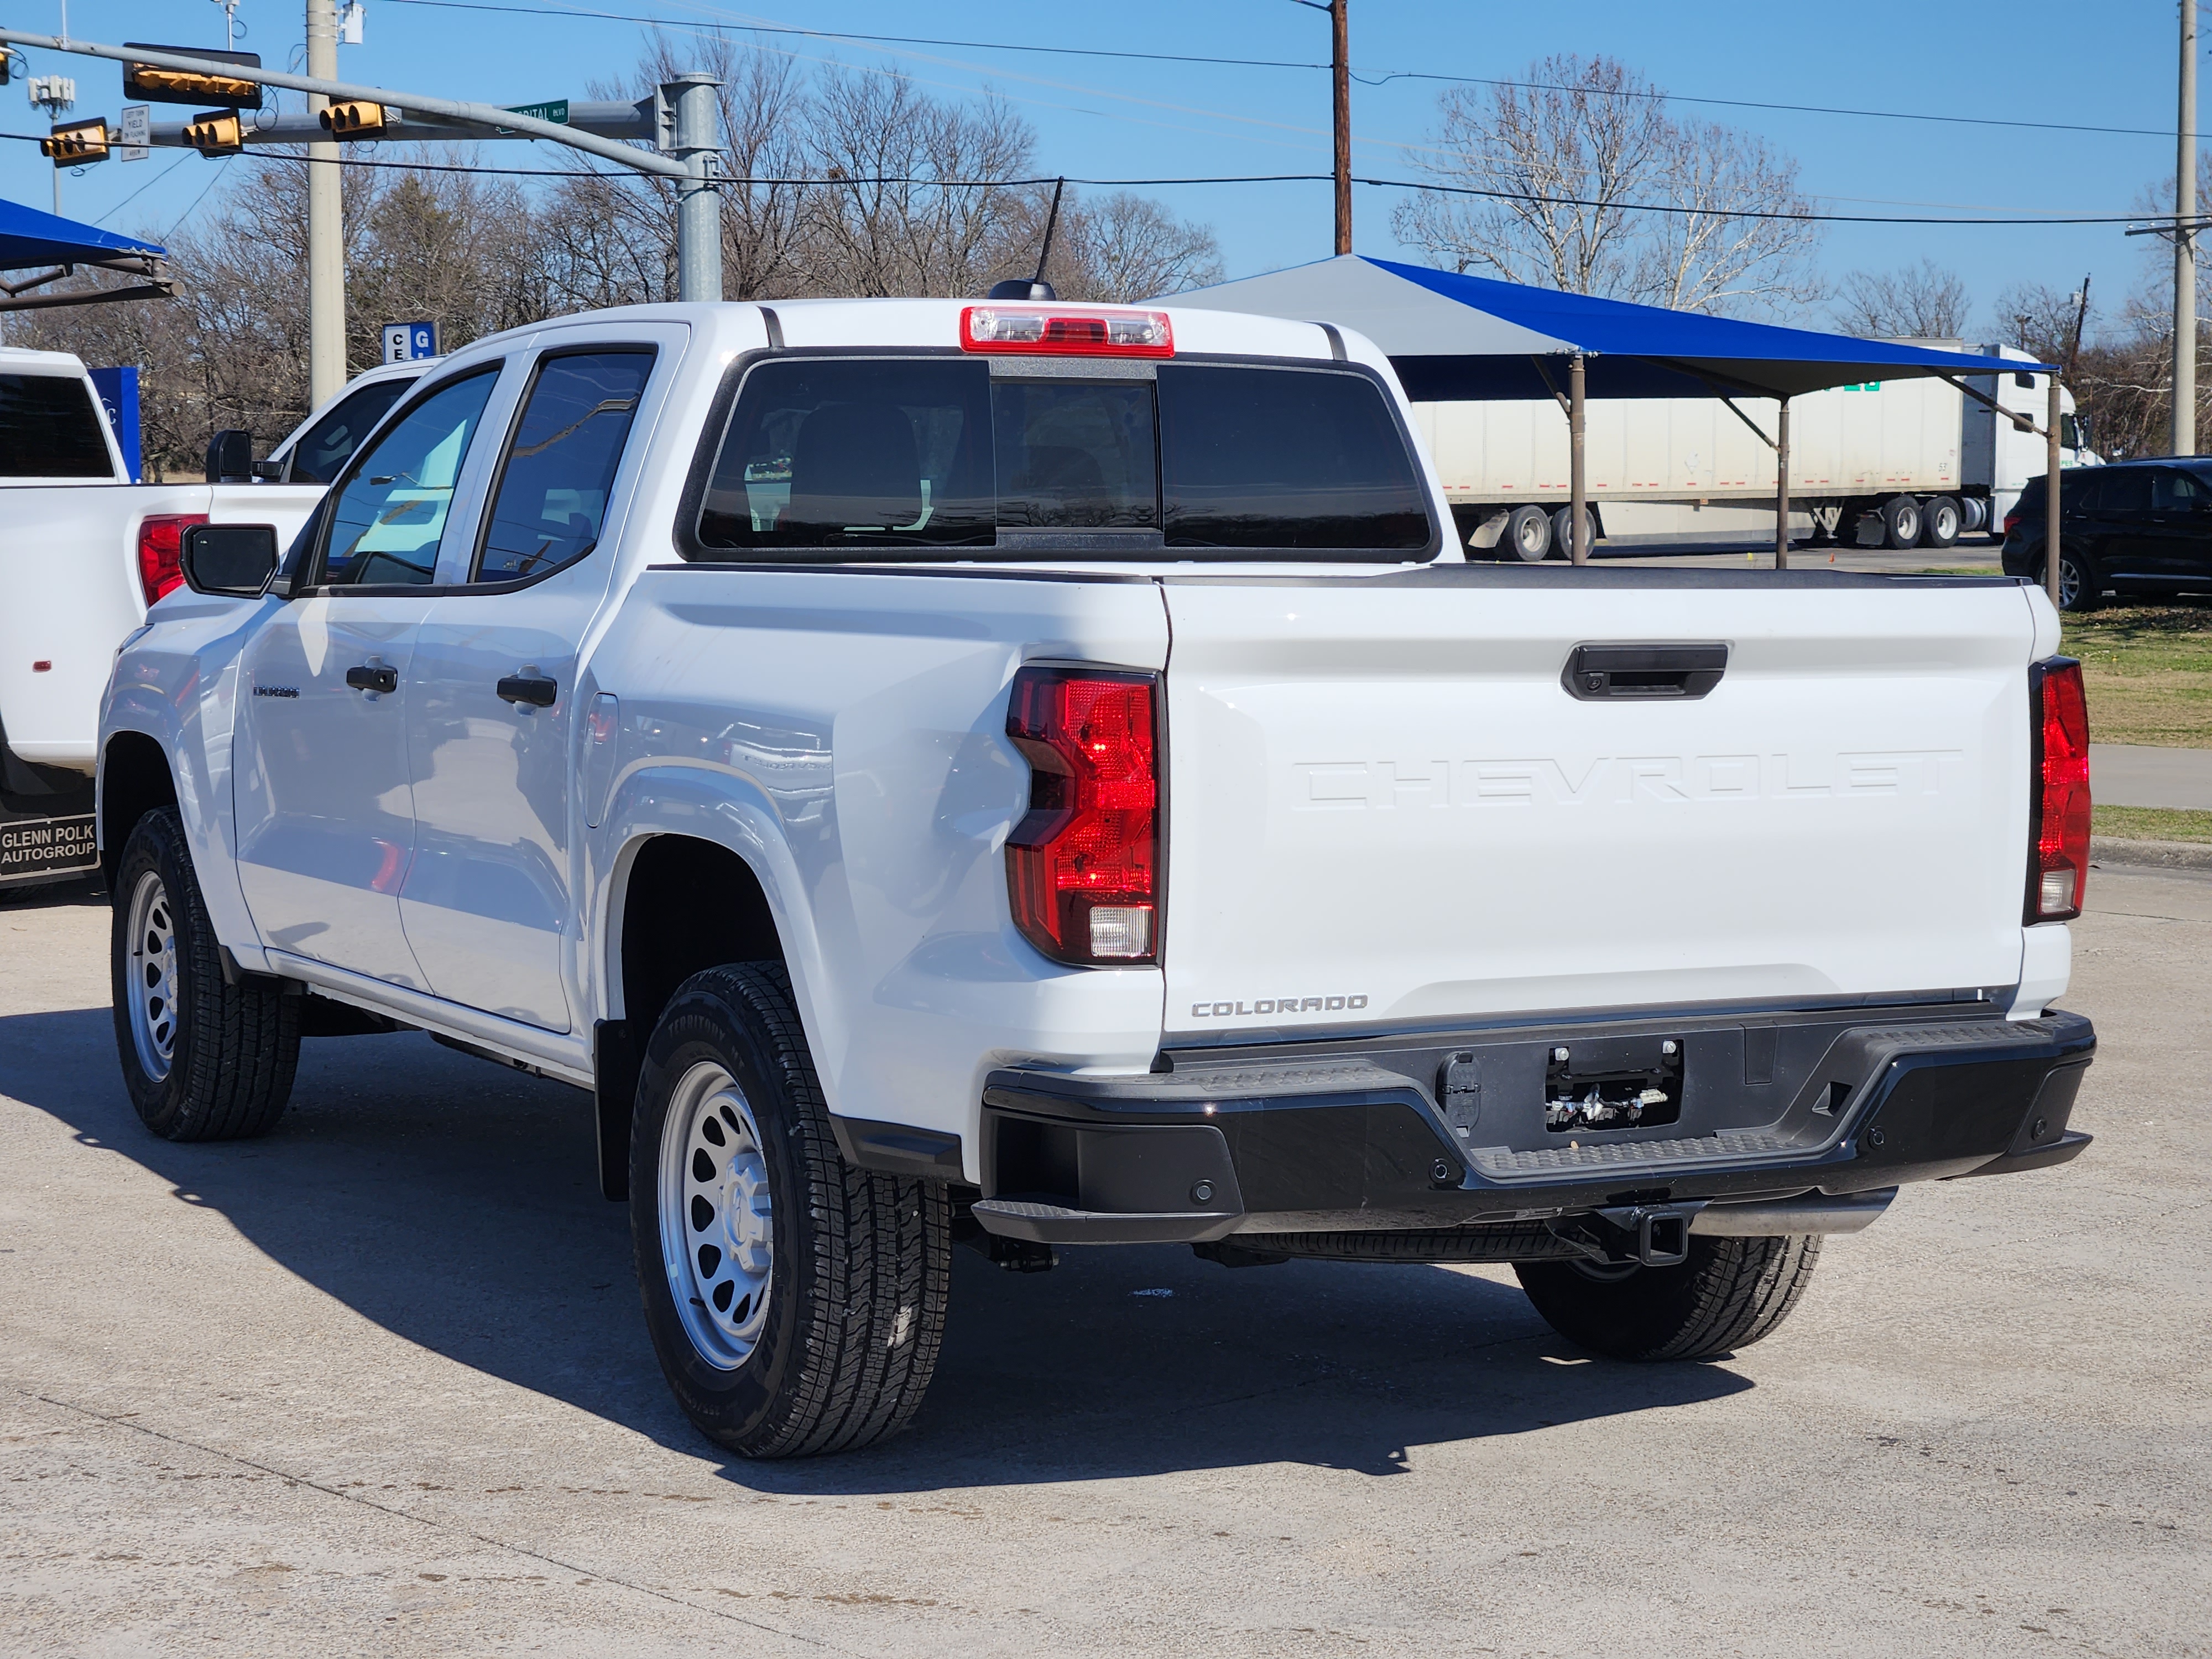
[
  {"x": 2139, "y": 775},
  {"x": 377, "y": 1384}
]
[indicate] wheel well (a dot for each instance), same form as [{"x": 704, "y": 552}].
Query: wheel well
[
  {"x": 688, "y": 905},
  {"x": 134, "y": 780}
]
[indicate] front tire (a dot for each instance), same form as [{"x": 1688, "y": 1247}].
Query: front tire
[
  {"x": 201, "y": 1060},
  {"x": 796, "y": 1303},
  {"x": 1730, "y": 1293}
]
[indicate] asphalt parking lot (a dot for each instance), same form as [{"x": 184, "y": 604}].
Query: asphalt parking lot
[{"x": 379, "y": 1384}]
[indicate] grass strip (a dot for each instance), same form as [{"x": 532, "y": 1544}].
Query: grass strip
[
  {"x": 2151, "y": 823},
  {"x": 2147, "y": 669}
]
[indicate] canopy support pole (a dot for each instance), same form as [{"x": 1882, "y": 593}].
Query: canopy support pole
[
  {"x": 1782, "y": 489},
  {"x": 2054, "y": 554},
  {"x": 1578, "y": 489}
]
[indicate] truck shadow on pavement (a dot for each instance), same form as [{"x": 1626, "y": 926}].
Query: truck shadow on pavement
[{"x": 456, "y": 1205}]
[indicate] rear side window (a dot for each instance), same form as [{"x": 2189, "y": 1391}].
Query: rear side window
[
  {"x": 48, "y": 429},
  {"x": 927, "y": 453},
  {"x": 551, "y": 501},
  {"x": 329, "y": 443},
  {"x": 2124, "y": 490}
]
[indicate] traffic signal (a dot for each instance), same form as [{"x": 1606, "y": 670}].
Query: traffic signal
[
  {"x": 144, "y": 82},
  {"x": 354, "y": 120},
  {"x": 216, "y": 132},
  {"x": 76, "y": 143}
]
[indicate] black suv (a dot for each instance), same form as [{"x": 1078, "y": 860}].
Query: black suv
[{"x": 2130, "y": 527}]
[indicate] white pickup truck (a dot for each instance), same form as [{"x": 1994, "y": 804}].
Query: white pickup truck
[
  {"x": 84, "y": 551},
  {"x": 1037, "y": 774}
]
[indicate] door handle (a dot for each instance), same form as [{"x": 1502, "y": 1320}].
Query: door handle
[
  {"x": 372, "y": 676},
  {"x": 1595, "y": 671},
  {"x": 531, "y": 687}
]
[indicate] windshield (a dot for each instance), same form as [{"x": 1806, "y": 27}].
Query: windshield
[{"x": 1186, "y": 460}]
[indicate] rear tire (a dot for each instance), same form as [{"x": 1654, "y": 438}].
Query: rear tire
[
  {"x": 1528, "y": 535},
  {"x": 1563, "y": 523},
  {"x": 201, "y": 1060},
  {"x": 796, "y": 1303},
  {"x": 1901, "y": 522},
  {"x": 1941, "y": 522},
  {"x": 1730, "y": 1293},
  {"x": 2081, "y": 584}
]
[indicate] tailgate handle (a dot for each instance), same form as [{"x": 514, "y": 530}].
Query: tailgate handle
[{"x": 1597, "y": 671}]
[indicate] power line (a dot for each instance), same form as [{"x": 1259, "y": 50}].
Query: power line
[
  {"x": 1379, "y": 78},
  {"x": 935, "y": 183}
]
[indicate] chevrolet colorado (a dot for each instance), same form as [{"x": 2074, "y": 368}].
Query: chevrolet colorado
[{"x": 1040, "y": 775}]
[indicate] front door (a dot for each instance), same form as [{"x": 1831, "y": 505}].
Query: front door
[
  {"x": 2180, "y": 553},
  {"x": 324, "y": 796},
  {"x": 487, "y": 902}
]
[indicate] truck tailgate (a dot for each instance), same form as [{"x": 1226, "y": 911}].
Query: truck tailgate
[{"x": 1384, "y": 806}]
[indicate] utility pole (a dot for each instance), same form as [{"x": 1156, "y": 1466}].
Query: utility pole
[
  {"x": 2185, "y": 243},
  {"x": 698, "y": 203},
  {"x": 326, "y": 321},
  {"x": 57, "y": 95},
  {"x": 1341, "y": 28},
  {"x": 2081, "y": 321}
]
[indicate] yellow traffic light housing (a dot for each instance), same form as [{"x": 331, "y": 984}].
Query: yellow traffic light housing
[
  {"x": 143, "y": 83},
  {"x": 354, "y": 120},
  {"x": 216, "y": 132},
  {"x": 76, "y": 143}
]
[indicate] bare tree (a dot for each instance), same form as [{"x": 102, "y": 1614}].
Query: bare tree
[
  {"x": 1923, "y": 301},
  {"x": 1559, "y": 166},
  {"x": 852, "y": 183}
]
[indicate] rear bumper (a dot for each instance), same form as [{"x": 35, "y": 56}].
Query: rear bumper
[{"x": 1367, "y": 1138}]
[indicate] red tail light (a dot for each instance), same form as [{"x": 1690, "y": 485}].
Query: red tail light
[
  {"x": 2058, "y": 821},
  {"x": 160, "y": 552},
  {"x": 1083, "y": 866},
  {"x": 2012, "y": 521},
  {"x": 1066, "y": 333}
]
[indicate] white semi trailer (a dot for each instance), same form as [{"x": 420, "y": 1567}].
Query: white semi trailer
[{"x": 1901, "y": 463}]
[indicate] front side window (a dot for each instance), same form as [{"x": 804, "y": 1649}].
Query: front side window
[
  {"x": 329, "y": 443},
  {"x": 2173, "y": 491},
  {"x": 391, "y": 511},
  {"x": 551, "y": 501},
  {"x": 49, "y": 429},
  {"x": 926, "y": 454}
]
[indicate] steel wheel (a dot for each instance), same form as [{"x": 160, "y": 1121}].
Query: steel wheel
[
  {"x": 717, "y": 1222},
  {"x": 152, "y": 976}
]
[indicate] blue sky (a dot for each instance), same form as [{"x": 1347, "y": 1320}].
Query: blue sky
[{"x": 2027, "y": 60}]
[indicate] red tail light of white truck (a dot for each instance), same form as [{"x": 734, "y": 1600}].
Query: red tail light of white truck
[
  {"x": 2058, "y": 811},
  {"x": 1082, "y": 865},
  {"x": 160, "y": 552}
]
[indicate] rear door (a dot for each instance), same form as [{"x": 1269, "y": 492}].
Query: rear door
[{"x": 1387, "y": 806}]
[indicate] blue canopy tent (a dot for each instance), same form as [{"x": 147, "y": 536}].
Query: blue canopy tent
[
  {"x": 1453, "y": 337},
  {"x": 55, "y": 247}
]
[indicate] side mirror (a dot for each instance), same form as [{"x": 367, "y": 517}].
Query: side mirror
[
  {"x": 229, "y": 558},
  {"x": 230, "y": 456}
]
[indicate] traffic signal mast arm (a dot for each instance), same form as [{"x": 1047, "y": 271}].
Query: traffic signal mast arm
[
  {"x": 606, "y": 120},
  {"x": 450, "y": 109}
]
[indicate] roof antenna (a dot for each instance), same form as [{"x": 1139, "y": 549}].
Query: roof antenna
[{"x": 1035, "y": 287}]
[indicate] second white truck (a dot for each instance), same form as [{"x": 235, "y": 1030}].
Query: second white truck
[
  {"x": 84, "y": 551},
  {"x": 1045, "y": 775}
]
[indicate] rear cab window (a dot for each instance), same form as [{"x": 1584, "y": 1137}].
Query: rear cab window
[
  {"x": 931, "y": 457},
  {"x": 49, "y": 428}
]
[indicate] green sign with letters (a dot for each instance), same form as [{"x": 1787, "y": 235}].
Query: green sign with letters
[{"x": 555, "y": 112}]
